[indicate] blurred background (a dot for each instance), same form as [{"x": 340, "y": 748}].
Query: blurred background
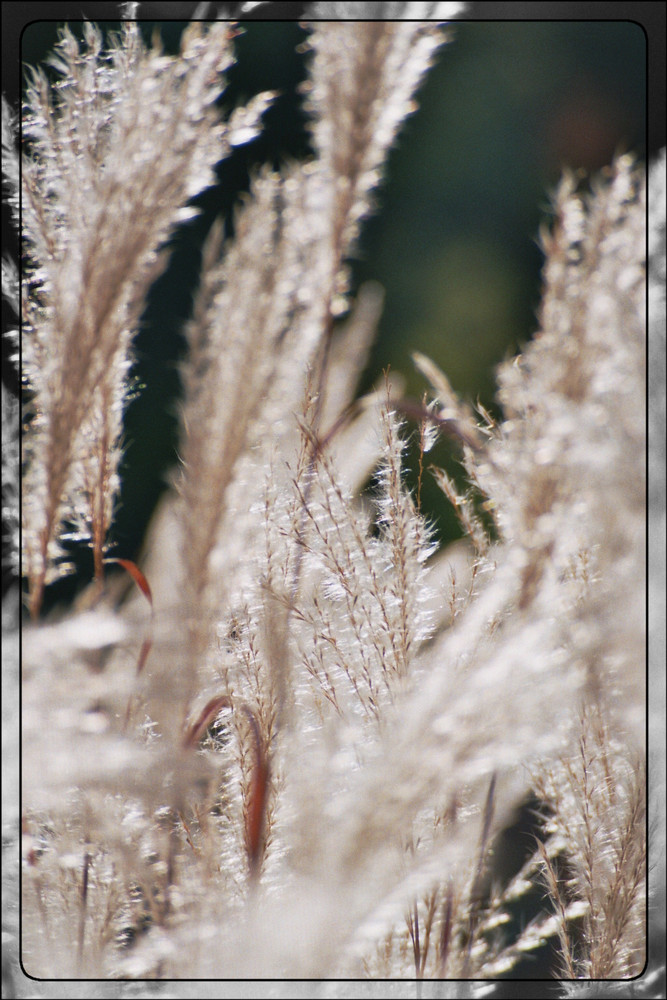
[{"x": 507, "y": 106}]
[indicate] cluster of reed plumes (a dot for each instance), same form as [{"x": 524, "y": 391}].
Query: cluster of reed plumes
[{"x": 290, "y": 754}]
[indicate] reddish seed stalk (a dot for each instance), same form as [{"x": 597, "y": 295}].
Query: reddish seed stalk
[
  {"x": 446, "y": 929},
  {"x": 36, "y": 586},
  {"x": 99, "y": 525},
  {"x": 415, "y": 941}
]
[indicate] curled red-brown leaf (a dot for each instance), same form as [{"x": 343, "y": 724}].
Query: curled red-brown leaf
[
  {"x": 255, "y": 811},
  {"x": 136, "y": 574},
  {"x": 257, "y": 794},
  {"x": 144, "y": 586},
  {"x": 146, "y": 647},
  {"x": 208, "y": 713}
]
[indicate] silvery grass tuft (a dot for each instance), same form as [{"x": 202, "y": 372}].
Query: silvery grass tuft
[
  {"x": 95, "y": 221},
  {"x": 296, "y": 762}
]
